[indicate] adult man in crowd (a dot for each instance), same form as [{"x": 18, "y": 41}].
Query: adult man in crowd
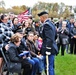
[{"x": 48, "y": 35}]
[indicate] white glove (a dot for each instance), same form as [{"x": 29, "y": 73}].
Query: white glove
[{"x": 48, "y": 53}]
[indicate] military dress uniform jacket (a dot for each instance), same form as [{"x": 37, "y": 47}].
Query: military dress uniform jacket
[{"x": 48, "y": 36}]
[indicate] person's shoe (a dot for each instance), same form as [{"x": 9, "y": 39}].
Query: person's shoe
[{"x": 39, "y": 74}]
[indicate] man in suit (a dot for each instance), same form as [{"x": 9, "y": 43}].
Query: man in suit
[{"x": 49, "y": 45}]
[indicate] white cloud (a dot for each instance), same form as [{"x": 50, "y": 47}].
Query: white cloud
[
  {"x": 10, "y": 3},
  {"x": 30, "y": 3}
]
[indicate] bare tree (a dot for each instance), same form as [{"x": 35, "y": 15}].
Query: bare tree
[
  {"x": 61, "y": 7},
  {"x": 2, "y": 4}
]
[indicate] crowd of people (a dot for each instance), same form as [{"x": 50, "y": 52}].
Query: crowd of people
[
  {"x": 40, "y": 38},
  {"x": 66, "y": 35}
]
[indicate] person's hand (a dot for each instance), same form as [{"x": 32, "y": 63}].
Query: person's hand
[
  {"x": 74, "y": 36},
  {"x": 39, "y": 56},
  {"x": 24, "y": 57},
  {"x": 29, "y": 57},
  {"x": 7, "y": 46}
]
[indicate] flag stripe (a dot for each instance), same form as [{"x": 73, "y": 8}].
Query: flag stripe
[{"x": 24, "y": 15}]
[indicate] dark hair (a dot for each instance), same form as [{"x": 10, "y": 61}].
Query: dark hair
[
  {"x": 23, "y": 25},
  {"x": 2, "y": 18},
  {"x": 36, "y": 33},
  {"x": 30, "y": 33},
  {"x": 14, "y": 19}
]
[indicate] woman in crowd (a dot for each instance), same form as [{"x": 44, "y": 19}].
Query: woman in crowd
[
  {"x": 63, "y": 36},
  {"x": 13, "y": 52},
  {"x": 16, "y": 25},
  {"x": 26, "y": 27}
]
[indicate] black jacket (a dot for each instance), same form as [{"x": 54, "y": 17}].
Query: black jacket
[
  {"x": 14, "y": 53},
  {"x": 73, "y": 32},
  {"x": 63, "y": 35},
  {"x": 14, "y": 62}
]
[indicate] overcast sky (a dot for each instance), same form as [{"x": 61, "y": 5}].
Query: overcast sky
[{"x": 30, "y": 3}]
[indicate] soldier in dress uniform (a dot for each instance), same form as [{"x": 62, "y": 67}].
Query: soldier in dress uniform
[{"x": 48, "y": 36}]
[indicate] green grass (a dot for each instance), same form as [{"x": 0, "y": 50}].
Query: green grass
[{"x": 65, "y": 65}]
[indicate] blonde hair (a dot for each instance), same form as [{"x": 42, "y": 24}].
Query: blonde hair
[{"x": 15, "y": 38}]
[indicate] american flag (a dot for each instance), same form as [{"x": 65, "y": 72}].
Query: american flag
[{"x": 24, "y": 15}]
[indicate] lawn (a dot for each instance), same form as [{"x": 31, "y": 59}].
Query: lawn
[{"x": 65, "y": 65}]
